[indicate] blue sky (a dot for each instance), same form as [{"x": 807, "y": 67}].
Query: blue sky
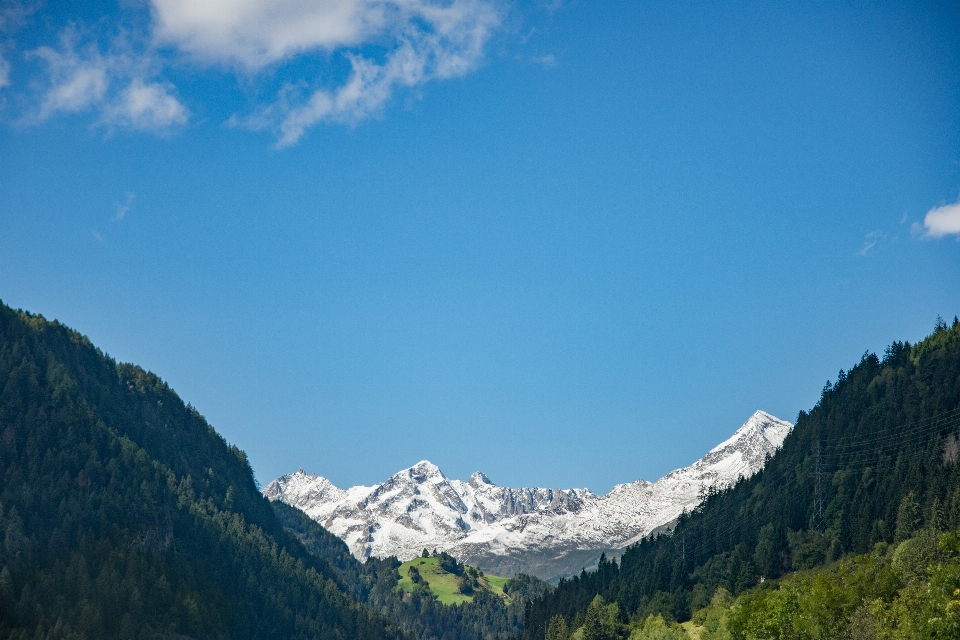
[{"x": 568, "y": 244}]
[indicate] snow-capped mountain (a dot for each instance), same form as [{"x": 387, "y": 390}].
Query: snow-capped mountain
[{"x": 545, "y": 532}]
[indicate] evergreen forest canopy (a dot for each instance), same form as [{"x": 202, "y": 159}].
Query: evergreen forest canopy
[
  {"x": 123, "y": 514},
  {"x": 850, "y": 530}
]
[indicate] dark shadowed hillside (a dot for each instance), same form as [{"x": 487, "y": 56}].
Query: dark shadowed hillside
[{"x": 123, "y": 514}]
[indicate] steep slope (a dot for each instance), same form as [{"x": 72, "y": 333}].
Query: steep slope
[
  {"x": 543, "y": 532},
  {"x": 125, "y": 515},
  {"x": 874, "y": 461}
]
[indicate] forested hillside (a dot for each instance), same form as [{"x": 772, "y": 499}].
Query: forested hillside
[
  {"x": 875, "y": 461},
  {"x": 486, "y": 617},
  {"x": 903, "y": 591},
  {"x": 125, "y": 515}
]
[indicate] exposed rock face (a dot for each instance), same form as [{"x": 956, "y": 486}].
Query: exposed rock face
[{"x": 549, "y": 533}]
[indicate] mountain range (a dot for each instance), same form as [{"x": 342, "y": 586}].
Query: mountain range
[{"x": 549, "y": 533}]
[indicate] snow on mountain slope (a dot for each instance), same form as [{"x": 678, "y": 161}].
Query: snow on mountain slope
[{"x": 544, "y": 532}]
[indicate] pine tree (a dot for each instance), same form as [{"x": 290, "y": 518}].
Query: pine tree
[
  {"x": 558, "y": 629},
  {"x": 908, "y": 517},
  {"x": 593, "y": 622},
  {"x": 935, "y": 521}
]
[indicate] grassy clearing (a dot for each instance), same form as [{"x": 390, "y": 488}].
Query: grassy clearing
[
  {"x": 444, "y": 585},
  {"x": 496, "y": 583}
]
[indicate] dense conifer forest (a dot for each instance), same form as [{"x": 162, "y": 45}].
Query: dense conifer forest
[
  {"x": 125, "y": 515},
  {"x": 860, "y": 500}
]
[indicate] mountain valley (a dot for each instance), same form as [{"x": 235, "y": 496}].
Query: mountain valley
[{"x": 125, "y": 515}]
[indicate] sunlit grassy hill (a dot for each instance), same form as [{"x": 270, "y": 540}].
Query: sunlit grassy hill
[{"x": 447, "y": 586}]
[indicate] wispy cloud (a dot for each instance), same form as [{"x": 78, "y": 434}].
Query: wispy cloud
[
  {"x": 76, "y": 78},
  {"x": 870, "y": 241},
  {"x": 124, "y": 208},
  {"x": 423, "y": 41},
  {"x": 942, "y": 221},
  {"x": 370, "y": 85},
  {"x": 388, "y": 45},
  {"x": 81, "y": 77}
]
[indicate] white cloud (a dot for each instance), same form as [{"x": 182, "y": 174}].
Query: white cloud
[
  {"x": 942, "y": 221},
  {"x": 77, "y": 79},
  {"x": 419, "y": 40},
  {"x": 145, "y": 106},
  {"x": 257, "y": 33},
  {"x": 84, "y": 78},
  {"x": 369, "y": 86},
  {"x": 389, "y": 45}
]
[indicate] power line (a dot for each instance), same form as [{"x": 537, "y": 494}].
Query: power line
[
  {"x": 955, "y": 412},
  {"x": 879, "y": 456},
  {"x": 818, "y": 493}
]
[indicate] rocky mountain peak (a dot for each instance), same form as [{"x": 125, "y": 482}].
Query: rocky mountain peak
[
  {"x": 544, "y": 532},
  {"x": 423, "y": 471},
  {"x": 762, "y": 433},
  {"x": 479, "y": 479}
]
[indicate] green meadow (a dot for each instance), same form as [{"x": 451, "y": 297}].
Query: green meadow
[{"x": 442, "y": 584}]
